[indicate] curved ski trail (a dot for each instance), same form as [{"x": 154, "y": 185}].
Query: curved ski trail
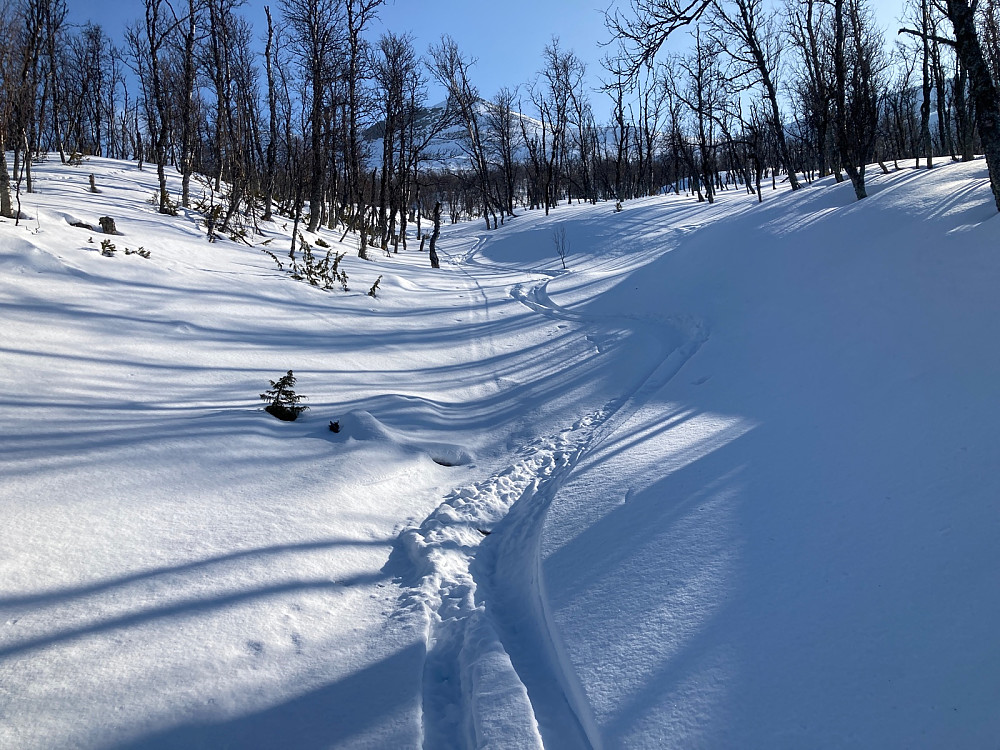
[
  {"x": 496, "y": 674},
  {"x": 472, "y": 695}
]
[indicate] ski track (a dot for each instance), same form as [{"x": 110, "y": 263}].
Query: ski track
[{"x": 496, "y": 673}]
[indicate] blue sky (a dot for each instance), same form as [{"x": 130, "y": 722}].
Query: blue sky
[{"x": 506, "y": 37}]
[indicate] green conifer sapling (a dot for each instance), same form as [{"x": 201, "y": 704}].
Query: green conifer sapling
[{"x": 282, "y": 400}]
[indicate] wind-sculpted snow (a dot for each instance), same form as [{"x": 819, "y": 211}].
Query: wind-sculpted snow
[
  {"x": 360, "y": 425},
  {"x": 762, "y": 554}
]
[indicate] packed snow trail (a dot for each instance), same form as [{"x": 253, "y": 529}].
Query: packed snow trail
[
  {"x": 513, "y": 592},
  {"x": 496, "y": 671},
  {"x": 472, "y": 695}
]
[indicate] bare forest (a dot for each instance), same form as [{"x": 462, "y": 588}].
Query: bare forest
[{"x": 314, "y": 120}]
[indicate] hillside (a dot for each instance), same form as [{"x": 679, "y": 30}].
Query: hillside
[{"x": 729, "y": 480}]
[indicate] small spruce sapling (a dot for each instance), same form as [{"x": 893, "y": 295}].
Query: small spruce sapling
[
  {"x": 282, "y": 400},
  {"x": 372, "y": 291}
]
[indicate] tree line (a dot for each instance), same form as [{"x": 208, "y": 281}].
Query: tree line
[
  {"x": 314, "y": 119},
  {"x": 810, "y": 88}
]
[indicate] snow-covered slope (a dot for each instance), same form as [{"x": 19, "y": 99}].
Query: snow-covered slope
[
  {"x": 794, "y": 542},
  {"x": 727, "y": 481}
]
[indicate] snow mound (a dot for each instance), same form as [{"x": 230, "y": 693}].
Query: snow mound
[
  {"x": 54, "y": 217},
  {"x": 363, "y": 426},
  {"x": 21, "y": 256},
  {"x": 391, "y": 280}
]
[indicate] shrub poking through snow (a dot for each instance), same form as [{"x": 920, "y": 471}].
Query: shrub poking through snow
[
  {"x": 331, "y": 272},
  {"x": 309, "y": 272},
  {"x": 371, "y": 292},
  {"x": 324, "y": 273},
  {"x": 211, "y": 216},
  {"x": 107, "y": 248},
  {"x": 282, "y": 400},
  {"x": 169, "y": 207},
  {"x": 273, "y": 257},
  {"x": 561, "y": 243}
]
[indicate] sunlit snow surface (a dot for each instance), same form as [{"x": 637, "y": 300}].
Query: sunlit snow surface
[{"x": 730, "y": 480}]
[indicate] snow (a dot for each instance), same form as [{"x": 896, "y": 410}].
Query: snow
[{"x": 729, "y": 480}]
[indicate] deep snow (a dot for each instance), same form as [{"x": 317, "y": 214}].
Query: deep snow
[{"x": 730, "y": 480}]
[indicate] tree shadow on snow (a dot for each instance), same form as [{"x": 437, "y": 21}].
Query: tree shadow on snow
[{"x": 326, "y": 717}]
